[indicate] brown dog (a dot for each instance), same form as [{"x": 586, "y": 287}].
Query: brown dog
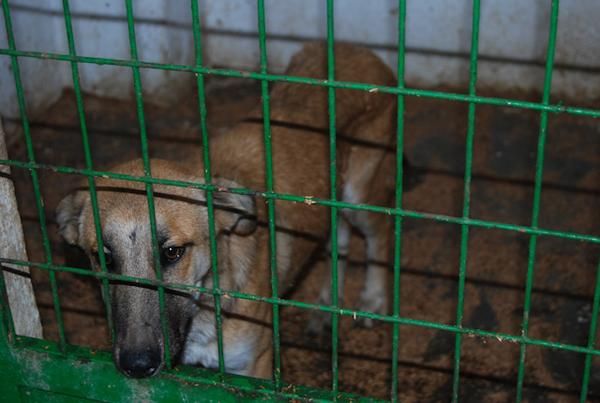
[{"x": 366, "y": 126}]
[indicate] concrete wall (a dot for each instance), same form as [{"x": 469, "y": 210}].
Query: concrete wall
[{"x": 512, "y": 45}]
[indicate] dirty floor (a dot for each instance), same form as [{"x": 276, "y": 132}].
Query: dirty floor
[{"x": 502, "y": 191}]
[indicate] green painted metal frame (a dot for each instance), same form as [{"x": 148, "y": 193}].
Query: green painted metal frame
[{"x": 37, "y": 370}]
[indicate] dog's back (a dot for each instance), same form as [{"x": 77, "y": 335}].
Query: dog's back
[
  {"x": 300, "y": 142},
  {"x": 308, "y": 104}
]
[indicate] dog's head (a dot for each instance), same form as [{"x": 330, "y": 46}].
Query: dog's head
[{"x": 183, "y": 245}]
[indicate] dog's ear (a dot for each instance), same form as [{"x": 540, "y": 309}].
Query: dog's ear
[
  {"x": 68, "y": 215},
  {"x": 235, "y": 213}
]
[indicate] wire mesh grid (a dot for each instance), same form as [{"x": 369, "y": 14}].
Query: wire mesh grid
[{"x": 278, "y": 386}]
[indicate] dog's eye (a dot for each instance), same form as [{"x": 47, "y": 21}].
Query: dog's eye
[
  {"x": 108, "y": 259},
  {"x": 171, "y": 254}
]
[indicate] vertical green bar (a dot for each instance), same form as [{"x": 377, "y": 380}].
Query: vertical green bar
[
  {"x": 262, "y": 37},
  {"x": 537, "y": 193},
  {"x": 333, "y": 197},
  {"x": 137, "y": 83},
  {"x": 212, "y": 234},
  {"x": 591, "y": 338},
  {"x": 464, "y": 242},
  {"x": 88, "y": 164},
  {"x": 398, "y": 194},
  {"x": 39, "y": 202},
  {"x": 8, "y": 386}
]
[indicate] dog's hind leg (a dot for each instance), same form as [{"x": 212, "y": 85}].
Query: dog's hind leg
[
  {"x": 319, "y": 320},
  {"x": 376, "y": 229},
  {"x": 370, "y": 184}
]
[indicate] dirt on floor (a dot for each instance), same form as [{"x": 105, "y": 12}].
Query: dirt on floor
[{"x": 435, "y": 131}]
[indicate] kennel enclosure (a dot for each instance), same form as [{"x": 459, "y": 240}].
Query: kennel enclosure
[{"x": 35, "y": 369}]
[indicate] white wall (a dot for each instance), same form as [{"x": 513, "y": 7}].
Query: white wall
[
  {"x": 100, "y": 30},
  {"x": 512, "y": 42},
  {"x": 513, "y": 37}
]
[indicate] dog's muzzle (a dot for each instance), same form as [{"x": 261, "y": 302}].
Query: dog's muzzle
[{"x": 140, "y": 363}]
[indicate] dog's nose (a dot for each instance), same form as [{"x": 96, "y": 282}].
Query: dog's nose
[{"x": 139, "y": 364}]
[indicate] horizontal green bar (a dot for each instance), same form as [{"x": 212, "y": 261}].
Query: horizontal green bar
[
  {"x": 82, "y": 372},
  {"x": 310, "y": 200},
  {"x": 512, "y": 103},
  {"x": 304, "y": 305}
]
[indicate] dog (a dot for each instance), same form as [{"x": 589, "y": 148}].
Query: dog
[{"x": 366, "y": 126}]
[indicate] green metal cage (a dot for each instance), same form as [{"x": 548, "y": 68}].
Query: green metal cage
[{"x": 37, "y": 370}]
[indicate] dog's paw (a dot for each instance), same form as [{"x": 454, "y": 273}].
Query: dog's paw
[{"x": 372, "y": 304}]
